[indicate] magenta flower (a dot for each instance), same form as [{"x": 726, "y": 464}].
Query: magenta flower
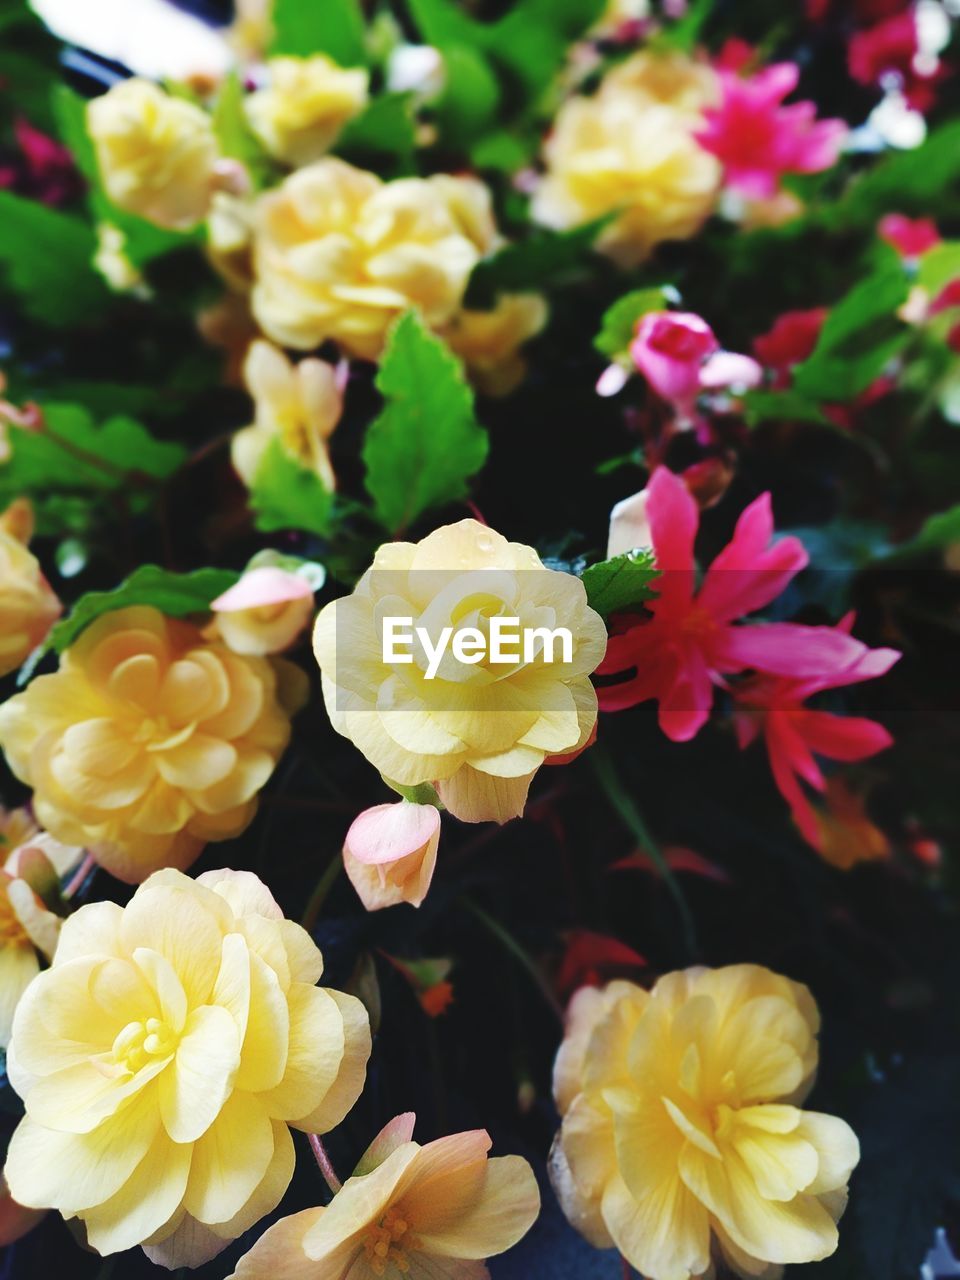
[
  {"x": 689, "y": 641},
  {"x": 911, "y": 237},
  {"x": 794, "y": 734},
  {"x": 758, "y": 139},
  {"x": 679, "y": 355}
]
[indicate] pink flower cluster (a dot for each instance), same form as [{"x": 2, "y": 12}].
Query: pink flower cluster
[
  {"x": 693, "y": 640},
  {"x": 679, "y": 355}
]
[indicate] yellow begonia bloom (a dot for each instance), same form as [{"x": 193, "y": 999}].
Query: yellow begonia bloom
[
  {"x": 339, "y": 254},
  {"x": 670, "y": 79},
  {"x": 148, "y": 741},
  {"x": 478, "y": 732},
  {"x": 420, "y": 1212},
  {"x": 681, "y": 1122},
  {"x": 28, "y": 606},
  {"x": 304, "y": 105},
  {"x": 162, "y": 1058},
  {"x": 630, "y": 151},
  {"x": 297, "y": 404},
  {"x": 156, "y": 153},
  {"x": 489, "y": 342}
]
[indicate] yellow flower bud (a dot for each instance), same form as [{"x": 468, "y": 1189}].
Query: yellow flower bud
[
  {"x": 489, "y": 342},
  {"x": 682, "y": 1124},
  {"x": 163, "y": 1058},
  {"x": 148, "y": 741},
  {"x": 156, "y": 153},
  {"x": 630, "y": 150},
  {"x": 299, "y": 405},
  {"x": 28, "y": 606},
  {"x": 304, "y": 105},
  {"x": 339, "y": 254},
  {"x": 479, "y": 732}
]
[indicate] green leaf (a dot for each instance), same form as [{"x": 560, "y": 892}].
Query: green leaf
[
  {"x": 939, "y": 266},
  {"x": 924, "y": 182},
  {"x": 620, "y": 320},
  {"x": 620, "y": 583},
  {"x": 175, "y": 594},
  {"x": 385, "y": 130},
  {"x": 288, "y": 496},
  {"x": 937, "y": 531},
  {"x": 46, "y": 259},
  {"x": 860, "y": 336},
  {"x": 426, "y": 440},
  {"x": 234, "y": 134},
  {"x": 334, "y": 27},
  {"x": 71, "y": 455},
  {"x": 685, "y": 32},
  {"x": 781, "y": 406},
  {"x": 471, "y": 96},
  {"x": 545, "y": 257}
]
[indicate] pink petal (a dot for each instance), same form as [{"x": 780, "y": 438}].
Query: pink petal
[
  {"x": 730, "y": 369},
  {"x": 262, "y": 587},
  {"x": 389, "y": 832},
  {"x": 815, "y": 654},
  {"x": 685, "y": 708},
  {"x": 749, "y": 572},
  {"x": 792, "y": 792},
  {"x": 843, "y": 737},
  {"x": 674, "y": 520}
]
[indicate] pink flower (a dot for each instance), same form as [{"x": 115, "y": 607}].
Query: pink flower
[
  {"x": 679, "y": 355},
  {"x": 682, "y": 650},
  {"x": 390, "y": 853},
  {"x": 887, "y": 48},
  {"x": 791, "y": 341},
  {"x": 911, "y": 237},
  {"x": 264, "y": 611},
  {"x": 773, "y": 706},
  {"x": 758, "y": 139}
]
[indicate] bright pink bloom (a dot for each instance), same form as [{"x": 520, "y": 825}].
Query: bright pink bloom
[
  {"x": 773, "y": 706},
  {"x": 885, "y": 49},
  {"x": 681, "y": 651},
  {"x": 911, "y": 237},
  {"x": 679, "y": 355},
  {"x": 734, "y": 55},
  {"x": 790, "y": 342},
  {"x": 758, "y": 139},
  {"x": 45, "y": 170}
]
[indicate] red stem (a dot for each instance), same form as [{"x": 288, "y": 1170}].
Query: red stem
[{"x": 324, "y": 1162}]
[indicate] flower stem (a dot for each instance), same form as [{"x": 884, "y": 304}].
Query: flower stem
[
  {"x": 322, "y": 889},
  {"x": 77, "y": 880},
  {"x": 510, "y": 944},
  {"x": 324, "y": 1163},
  {"x": 630, "y": 815}
]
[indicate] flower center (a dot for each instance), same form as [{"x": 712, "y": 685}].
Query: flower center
[
  {"x": 139, "y": 1042},
  {"x": 386, "y": 1243},
  {"x": 698, "y": 622}
]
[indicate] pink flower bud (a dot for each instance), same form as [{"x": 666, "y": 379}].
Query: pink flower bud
[
  {"x": 911, "y": 237},
  {"x": 669, "y": 349},
  {"x": 730, "y": 369},
  {"x": 264, "y": 612},
  {"x": 390, "y": 853}
]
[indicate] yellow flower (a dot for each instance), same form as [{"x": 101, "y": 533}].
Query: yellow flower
[
  {"x": 667, "y": 79},
  {"x": 489, "y": 342},
  {"x": 304, "y": 105},
  {"x": 629, "y": 150},
  {"x": 681, "y": 1122},
  {"x": 156, "y": 153},
  {"x": 420, "y": 1212},
  {"x": 339, "y": 254},
  {"x": 479, "y": 732},
  {"x": 28, "y": 606},
  {"x": 28, "y": 931},
  {"x": 264, "y": 612},
  {"x": 230, "y": 238},
  {"x": 148, "y": 741},
  {"x": 252, "y": 28},
  {"x": 299, "y": 405},
  {"x": 112, "y": 262},
  {"x": 162, "y": 1058}
]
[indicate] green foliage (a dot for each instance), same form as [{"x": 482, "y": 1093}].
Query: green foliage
[
  {"x": 471, "y": 95},
  {"x": 71, "y": 456},
  {"x": 860, "y": 335},
  {"x": 383, "y": 135},
  {"x": 334, "y": 27},
  {"x": 46, "y": 261},
  {"x": 426, "y": 441},
  {"x": 543, "y": 258},
  {"x": 234, "y": 134},
  {"x": 623, "y": 582},
  {"x": 288, "y": 496},
  {"x": 620, "y": 320},
  {"x": 923, "y": 181},
  {"x": 939, "y": 266},
  {"x": 175, "y": 594},
  {"x": 782, "y": 406}
]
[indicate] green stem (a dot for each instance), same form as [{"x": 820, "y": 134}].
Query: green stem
[
  {"x": 319, "y": 896},
  {"x": 630, "y": 815},
  {"x": 510, "y": 944}
]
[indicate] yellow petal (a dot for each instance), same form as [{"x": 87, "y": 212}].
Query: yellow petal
[
  {"x": 18, "y": 966},
  {"x": 838, "y": 1150},
  {"x": 351, "y": 1077},
  {"x": 178, "y": 923},
  {"x": 201, "y": 1077},
  {"x": 498, "y": 1213},
  {"x": 146, "y": 1200},
  {"x": 265, "y": 1044},
  {"x": 93, "y": 930},
  {"x": 230, "y": 1160},
  {"x": 478, "y": 797}
]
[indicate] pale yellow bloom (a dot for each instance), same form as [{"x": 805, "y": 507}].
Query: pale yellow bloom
[
  {"x": 479, "y": 732},
  {"x": 304, "y": 105},
  {"x": 156, "y": 153},
  {"x": 297, "y": 404},
  {"x": 339, "y": 254},
  {"x": 230, "y": 238},
  {"x": 426, "y": 1213},
  {"x": 28, "y": 606},
  {"x": 682, "y": 1124},
  {"x": 252, "y": 28},
  {"x": 489, "y": 342},
  {"x": 629, "y": 150},
  {"x": 148, "y": 741},
  {"x": 264, "y": 612},
  {"x": 162, "y": 1059},
  {"x": 112, "y": 262},
  {"x": 668, "y": 79}
]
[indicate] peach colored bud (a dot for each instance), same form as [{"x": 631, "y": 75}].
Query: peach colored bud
[
  {"x": 264, "y": 612},
  {"x": 390, "y": 853},
  {"x": 629, "y": 525}
]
